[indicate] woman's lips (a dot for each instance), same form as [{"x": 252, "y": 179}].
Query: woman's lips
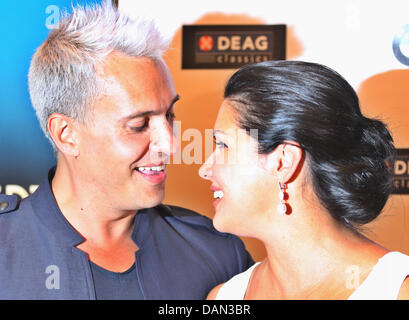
[
  {"x": 217, "y": 194},
  {"x": 216, "y": 202}
]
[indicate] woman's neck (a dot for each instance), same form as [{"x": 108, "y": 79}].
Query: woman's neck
[{"x": 310, "y": 256}]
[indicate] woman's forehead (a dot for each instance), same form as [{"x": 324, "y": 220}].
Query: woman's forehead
[{"x": 225, "y": 118}]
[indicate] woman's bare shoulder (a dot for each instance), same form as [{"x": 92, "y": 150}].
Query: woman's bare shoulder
[
  {"x": 213, "y": 293},
  {"x": 404, "y": 290}
]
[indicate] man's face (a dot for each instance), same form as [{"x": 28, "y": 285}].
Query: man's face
[{"x": 129, "y": 136}]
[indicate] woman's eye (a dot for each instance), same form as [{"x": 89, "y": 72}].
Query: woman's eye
[
  {"x": 171, "y": 116},
  {"x": 220, "y": 145}
]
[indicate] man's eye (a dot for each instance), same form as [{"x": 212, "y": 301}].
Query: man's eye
[{"x": 139, "y": 128}]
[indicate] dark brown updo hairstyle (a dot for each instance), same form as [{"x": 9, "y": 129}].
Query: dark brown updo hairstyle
[{"x": 349, "y": 156}]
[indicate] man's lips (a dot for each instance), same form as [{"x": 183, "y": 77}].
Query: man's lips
[
  {"x": 154, "y": 173},
  {"x": 151, "y": 168}
]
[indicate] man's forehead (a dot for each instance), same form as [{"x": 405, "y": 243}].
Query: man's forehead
[
  {"x": 120, "y": 72},
  {"x": 132, "y": 85},
  {"x": 116, "y": 62}
]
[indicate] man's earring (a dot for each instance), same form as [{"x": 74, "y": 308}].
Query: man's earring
[{"x": 283, "y": 196}]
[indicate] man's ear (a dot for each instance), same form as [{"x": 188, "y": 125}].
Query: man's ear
[
  {"x": 62, "y": 130},
  {"x": 286, "y": 161}
]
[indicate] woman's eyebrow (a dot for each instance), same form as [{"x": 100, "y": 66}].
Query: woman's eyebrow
[{"x": 218, "y": 131}]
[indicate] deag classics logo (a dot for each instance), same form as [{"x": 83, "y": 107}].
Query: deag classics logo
[{"x": 231, "y": 46}]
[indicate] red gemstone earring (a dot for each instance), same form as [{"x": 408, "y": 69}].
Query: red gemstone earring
[{"x": 282, "y": 195}]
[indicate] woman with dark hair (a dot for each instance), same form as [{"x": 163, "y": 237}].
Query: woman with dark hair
[{"x": 299, "y": 167}]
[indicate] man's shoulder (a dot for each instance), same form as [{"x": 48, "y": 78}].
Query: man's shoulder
[
  {"x": 12, "y": 209},
  {"x": 9, "y": 203},
  {"x": 198, "y": 229},
  {"x": 15, "y": 214},
  {"x": 16, "y": 220}
]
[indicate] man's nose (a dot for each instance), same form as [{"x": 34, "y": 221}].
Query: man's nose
[{"x": 163, "y": 139}]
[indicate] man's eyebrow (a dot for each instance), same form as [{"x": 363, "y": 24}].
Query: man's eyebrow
[{"x": 150, "y": 112}]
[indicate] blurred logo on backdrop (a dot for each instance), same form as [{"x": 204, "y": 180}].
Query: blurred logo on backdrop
[
  {"x": 401, "y": 172},
  {"x": 401, "y": 45},
  {"x": 231, "y": 46}
]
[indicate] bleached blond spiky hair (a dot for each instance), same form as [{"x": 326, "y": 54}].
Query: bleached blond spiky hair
[{"x": 62, "y": 76}]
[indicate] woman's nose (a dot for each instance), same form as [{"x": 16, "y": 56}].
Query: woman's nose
[{"x": 205, "y": 171}]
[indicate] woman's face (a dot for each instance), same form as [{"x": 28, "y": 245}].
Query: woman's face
[{"x": 242, "y": 185}]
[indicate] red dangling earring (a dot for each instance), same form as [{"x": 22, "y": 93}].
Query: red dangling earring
[{"x": 282, "y": 195}]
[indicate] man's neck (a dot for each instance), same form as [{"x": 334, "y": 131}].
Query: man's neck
[
  {"x": 89, "y": 214},
  {"x": 107, "y": 232}
]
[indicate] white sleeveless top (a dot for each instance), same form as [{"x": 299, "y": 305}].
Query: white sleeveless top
[{"x": 382, "y": 283}]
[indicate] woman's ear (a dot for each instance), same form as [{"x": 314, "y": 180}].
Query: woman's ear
[
  {"x": 62, "y": 130},
  {"x": 286, "y": 161}
]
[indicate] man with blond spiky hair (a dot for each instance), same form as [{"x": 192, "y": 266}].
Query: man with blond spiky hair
[{"x": 95, "y": 228}]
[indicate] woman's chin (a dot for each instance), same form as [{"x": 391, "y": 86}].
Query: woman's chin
[
  {"x": 222, "y": 224},
  {"x": 219, "y": 223}
]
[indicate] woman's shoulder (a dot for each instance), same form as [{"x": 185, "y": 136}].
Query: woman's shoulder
[
  {"x": 399, "y": 263},
  {"x": 404, "y": 290},
  {"x": 213, "y": 293},
  {"x": 387, "y": 280},
  {"x": 233, "y": 289}
]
